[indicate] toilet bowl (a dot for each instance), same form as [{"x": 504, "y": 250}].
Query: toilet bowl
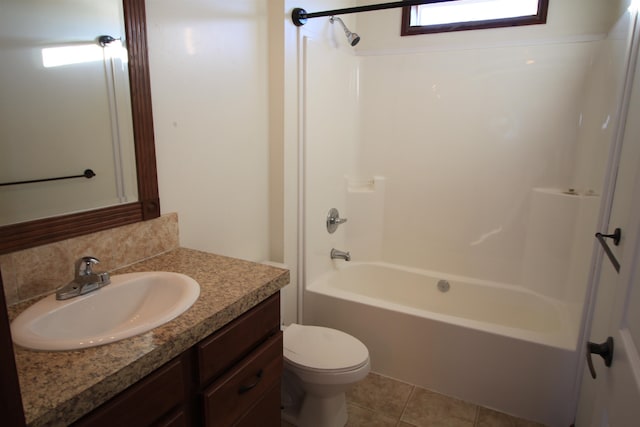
[{"x": 320, "y": 365}]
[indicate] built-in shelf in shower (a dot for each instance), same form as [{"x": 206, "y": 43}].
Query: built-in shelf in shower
[{"x": 363, "y": 185}]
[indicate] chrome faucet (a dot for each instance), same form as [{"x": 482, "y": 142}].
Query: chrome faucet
[
  {"x": 85, "y": 281},
  {"x": 336, "y": 254}
]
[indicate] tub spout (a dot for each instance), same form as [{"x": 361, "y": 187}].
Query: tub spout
[{"x": 336, "y": 254}]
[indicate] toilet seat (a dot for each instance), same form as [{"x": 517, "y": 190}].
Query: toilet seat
[{"x": 320, "y": 349}]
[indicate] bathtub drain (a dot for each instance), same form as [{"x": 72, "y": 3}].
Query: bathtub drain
[{"x": 443, "y": 285}]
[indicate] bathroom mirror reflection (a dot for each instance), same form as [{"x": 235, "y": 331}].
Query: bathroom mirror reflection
[
  {"x": 134, "y": 152},
  {"x": 64, "y": 108}
]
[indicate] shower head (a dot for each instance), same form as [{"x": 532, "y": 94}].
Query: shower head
[{"x": 353, "y": 38}]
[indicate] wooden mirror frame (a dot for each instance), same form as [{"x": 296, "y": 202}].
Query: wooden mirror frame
[{"x": 48, "y": 230}]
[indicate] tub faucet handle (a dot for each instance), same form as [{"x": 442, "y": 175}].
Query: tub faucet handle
[{"x": 334, "y": 220}]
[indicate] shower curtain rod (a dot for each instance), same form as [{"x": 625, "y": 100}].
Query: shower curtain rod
[{"x": 299, "y": 16}]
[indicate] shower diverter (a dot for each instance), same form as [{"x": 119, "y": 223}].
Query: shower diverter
[{"x": 334, "y": 220}]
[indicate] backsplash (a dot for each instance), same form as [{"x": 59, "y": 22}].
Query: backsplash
[{"x": 41, "y": 270}]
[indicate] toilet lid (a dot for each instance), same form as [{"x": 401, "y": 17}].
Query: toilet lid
[{"x": 316, "y": 347}]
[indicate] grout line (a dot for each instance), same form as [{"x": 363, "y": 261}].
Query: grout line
[
  {"x": 406, "y": 404},
  {"x": 477, "y": 417}
]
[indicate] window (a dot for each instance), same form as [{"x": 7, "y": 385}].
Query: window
[{"x": 459, "y": 15}]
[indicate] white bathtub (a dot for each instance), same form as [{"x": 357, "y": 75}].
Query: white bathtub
[{"x": 494, "y": 345}]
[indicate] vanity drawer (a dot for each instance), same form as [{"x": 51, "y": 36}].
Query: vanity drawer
[
  {"x": 234, "y": 341},
  {"x": 234, "y": 394}
]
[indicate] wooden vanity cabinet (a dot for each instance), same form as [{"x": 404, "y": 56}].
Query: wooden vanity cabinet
[{"x": 231, "y": 378}]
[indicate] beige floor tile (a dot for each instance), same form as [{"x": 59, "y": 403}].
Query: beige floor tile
[
  {"x": 429, "y": 409},
  {"x": 490, "y": 418},
  {"x": 379, "y": 401},
  {"x": 383, "y": 395},
  {"x": 362, "y": 417}
]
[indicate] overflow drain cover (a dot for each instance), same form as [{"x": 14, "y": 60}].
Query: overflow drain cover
[{"x": 443, "y": 285}]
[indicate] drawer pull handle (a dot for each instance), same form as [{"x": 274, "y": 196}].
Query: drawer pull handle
[{"x": 245, "y": 388}]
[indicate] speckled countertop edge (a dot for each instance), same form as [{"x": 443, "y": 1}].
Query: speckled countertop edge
[{"x": 59, "y": 387}]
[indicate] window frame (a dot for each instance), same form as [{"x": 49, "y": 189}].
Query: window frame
[{"x": 407, "y": 30}]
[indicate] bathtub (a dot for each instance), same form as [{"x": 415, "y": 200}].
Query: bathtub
[{"x": 494, "y": 345}]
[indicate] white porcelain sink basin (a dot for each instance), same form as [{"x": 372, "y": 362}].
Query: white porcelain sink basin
[{"x": 132, "y": 304}]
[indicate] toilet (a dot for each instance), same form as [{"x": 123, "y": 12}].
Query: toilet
[{"x": 320, "y": 365}]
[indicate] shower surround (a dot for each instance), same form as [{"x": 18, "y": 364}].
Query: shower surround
[{"x": 483, "y": 161}]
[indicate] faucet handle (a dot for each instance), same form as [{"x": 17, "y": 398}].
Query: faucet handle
[
  {"x": 334, "y": 220},
  {"x": 84, "y": 266}
]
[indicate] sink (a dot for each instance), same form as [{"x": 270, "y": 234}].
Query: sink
[{"x": 132, "y": 304}]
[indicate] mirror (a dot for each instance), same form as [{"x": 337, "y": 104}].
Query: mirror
[
  {"x": 64, "y": 109},
  {"x": 37, "y": 232}
]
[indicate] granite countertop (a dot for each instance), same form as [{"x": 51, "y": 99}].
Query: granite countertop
[{"x": 59, "y": 387}]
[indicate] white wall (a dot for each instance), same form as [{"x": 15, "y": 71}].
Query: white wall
[
  {"x": 209, "y": 81},
  {"x": 216, "y": 149}
]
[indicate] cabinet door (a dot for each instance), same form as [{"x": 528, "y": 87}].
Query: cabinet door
[
  {"x": 235, "y": 393},
  {"x": 146, "y": 402},
  {"x": 265, "y": 413}
]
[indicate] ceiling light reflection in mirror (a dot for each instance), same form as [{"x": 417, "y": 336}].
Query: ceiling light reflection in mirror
[{"x": 82, "y": 53}]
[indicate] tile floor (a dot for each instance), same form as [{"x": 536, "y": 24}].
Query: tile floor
[{"x": 380, "y": 401}]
